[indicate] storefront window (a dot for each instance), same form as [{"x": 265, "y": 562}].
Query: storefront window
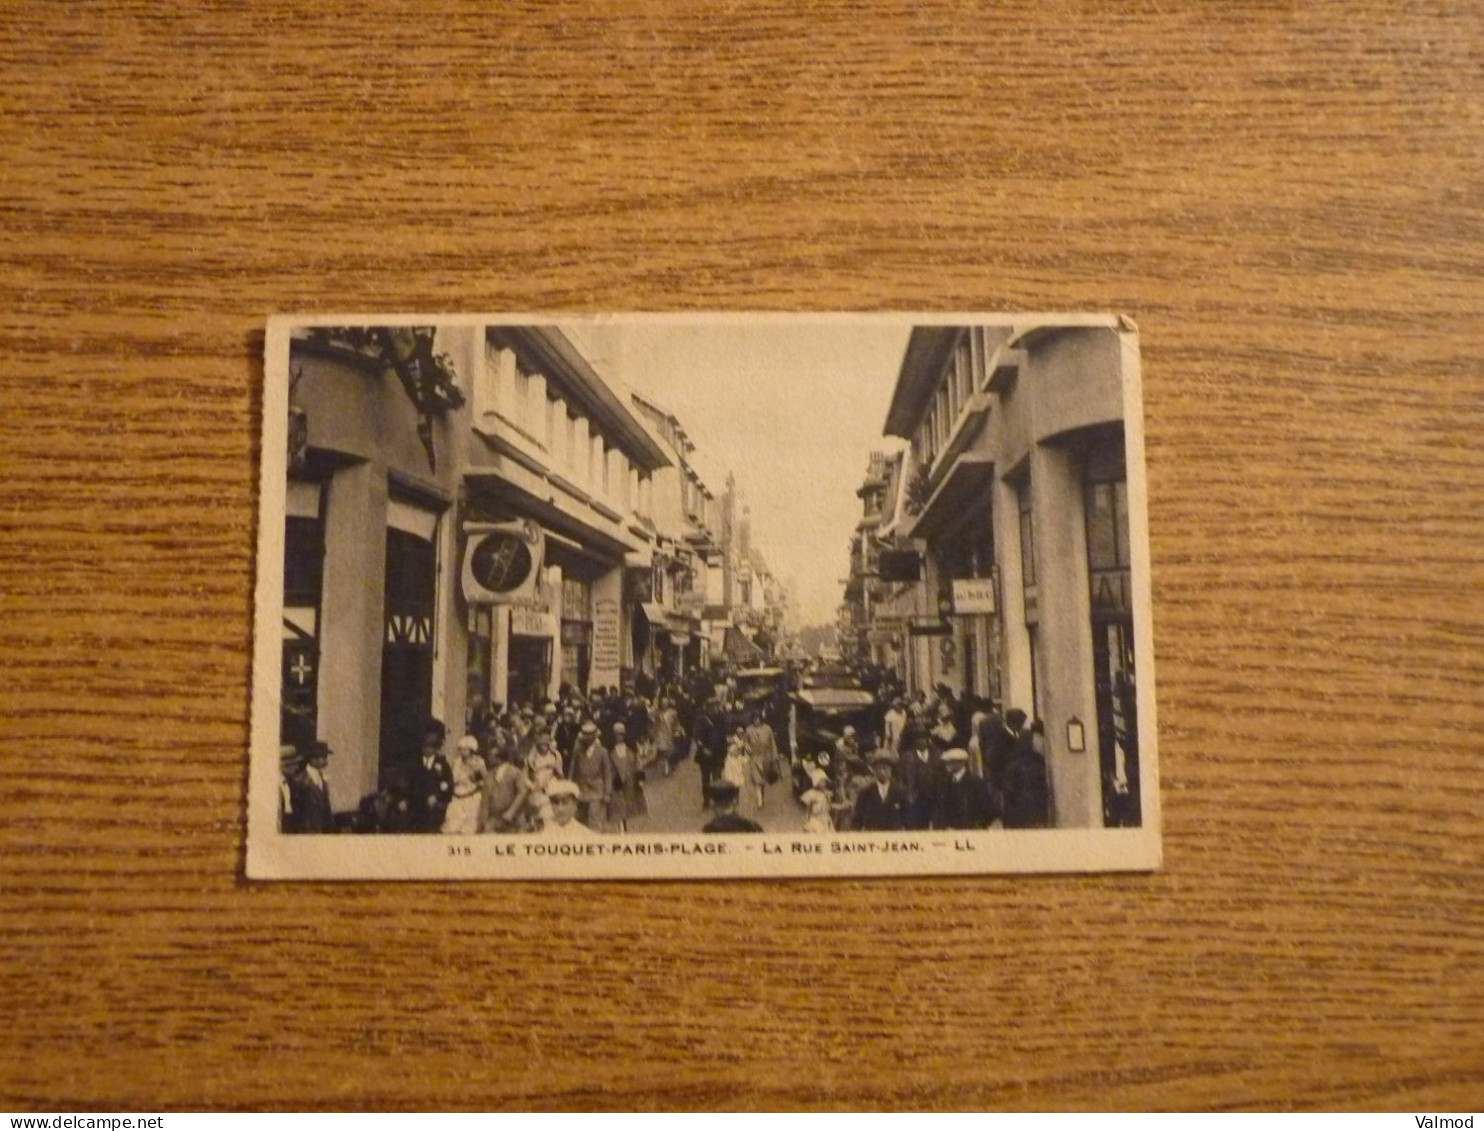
[
  {"x": 1114, "y": 673},
  {"x": 480, "y": 663}
]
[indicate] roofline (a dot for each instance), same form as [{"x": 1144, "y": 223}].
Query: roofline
[
  {"x": 554, "y": 355},
  {"x": 928, "y": 347}
]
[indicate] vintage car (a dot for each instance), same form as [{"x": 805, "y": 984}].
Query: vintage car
[
  {"x": 756, "y": 685},
  {"x": 828, "y": 699}
]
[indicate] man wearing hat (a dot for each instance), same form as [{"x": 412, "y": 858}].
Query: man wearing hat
[
  {"x": 881, "y": 806},
  {"x": 724, "y": 796},
  {"x": 308, "y": 808},
  {"x": 999, "y": 742},
  {"x": 847, "y": 748},
  {"x": 562, "y": 822},
  {"x": 920, "y": 771},
  {"x": 592, "y": 773},
  {"x": 565, "y": 732},
  {"x": 711, "y": 746},
  {"x": 426, "y": 786},
  {"x": 963, "y": 801}
]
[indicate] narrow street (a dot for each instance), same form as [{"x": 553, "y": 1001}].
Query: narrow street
[{"x": 675, "y": 803}]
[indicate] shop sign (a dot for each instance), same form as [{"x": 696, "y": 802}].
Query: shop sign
[
  {"x": 899, "y": 565},
  {"x": 532, "y": 622},
  {"x": 975, "y": 596},
  {"x": 576, "y": 634},
  {"x": 606, "y": 638},
  {"x": 929, "y": 626}
]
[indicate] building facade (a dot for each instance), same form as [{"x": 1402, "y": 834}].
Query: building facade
[
  {"x": 406, "y": 443},
  {"x": 1011, "y": 508},
  {"x": 685, "y": 515}
]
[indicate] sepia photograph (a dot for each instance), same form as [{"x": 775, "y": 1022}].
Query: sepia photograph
[{"x": 660, "y": 596}]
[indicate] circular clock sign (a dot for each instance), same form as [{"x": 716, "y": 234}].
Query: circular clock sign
[{"x": 501, "y": 563}]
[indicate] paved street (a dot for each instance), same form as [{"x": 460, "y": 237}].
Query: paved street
[{"x": 675, "y": 804}]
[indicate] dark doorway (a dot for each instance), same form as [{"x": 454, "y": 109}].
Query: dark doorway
[
  {"x": 407, "y": 650},
  {"x": 530, "y": 668}
]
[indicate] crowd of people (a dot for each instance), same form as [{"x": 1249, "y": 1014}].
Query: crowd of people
[{"x": 577, "y": 765}]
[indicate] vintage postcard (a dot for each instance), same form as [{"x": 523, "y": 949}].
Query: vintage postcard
[{"x": 567, "y": 597}]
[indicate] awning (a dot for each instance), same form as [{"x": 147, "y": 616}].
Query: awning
[
  {"x": 664, "y": 620},
  {"x": 738, "y": 649},
  {"x": 966, "y": 484}
]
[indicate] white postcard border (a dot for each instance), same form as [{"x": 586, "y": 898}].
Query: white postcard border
[{"x": 273, "y": 854}]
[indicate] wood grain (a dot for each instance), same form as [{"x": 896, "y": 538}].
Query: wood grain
[{"x": 1287, "y": 197}]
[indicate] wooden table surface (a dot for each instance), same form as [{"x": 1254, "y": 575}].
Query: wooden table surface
[{"x": 1287, "y": 197}]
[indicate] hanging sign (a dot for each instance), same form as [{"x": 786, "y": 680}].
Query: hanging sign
[
  {"x": 502, "y": 562},
  {"x": 974, "y": 596},
  {"x": 928, "y": 626}
]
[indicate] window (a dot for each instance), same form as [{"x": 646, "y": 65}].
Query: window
[
  {"x": 1029, "y": 592},
  {"x": 303, "y": 580},
  {"x": 520, "y": 400},
  {"x": 576, "y": 599},
  {"x": 961, "y": 382},
  {"x": 494, "y": 386},
  {"x": 1027, "y": 540},
  {"x": 1108, "y": 547}
]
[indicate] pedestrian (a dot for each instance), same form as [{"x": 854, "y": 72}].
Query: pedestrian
[
  {"x": 945, "y": 733},
  {"x": 562, "y": 822},
  {"x": 543, "y": 769},
  {"x": 308, "y": 809},
  {"x": 914, "y": 728},
  {"x": 1027, "y": 790},
  {"x": 724, "y": 796},
  {"x": 507, "y": 795},
  {"x": 426, "y": 786},
  {"x": 626, "y": 800},
  {"x": 977, "y": 729},
  {"x": 963, "y": 801},
  {"x": 919, "y": 772},
  {"x": 999, "y": 745},
  {"x": 734, "y": 767},
  {"x": 636, "y": 720},
  {"x": 893, "y": 724},
  {"x": 762, "y": 752},
  {"x": 500, "y": 739},
  {"x": 817, "y": 801},
  {"x": 710, "y": 741},
  {"x": 462, "y": 815},
  {"x": 847, "y": 751},
  {"x": 666, "y": 735},
  {"x": 564, "y": 733},
  {"x": 880, "y": 806},
  {"x": 592, "y": 771}
]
